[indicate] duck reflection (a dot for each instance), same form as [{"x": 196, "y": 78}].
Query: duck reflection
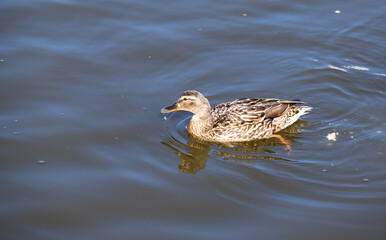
[{"x": 195, "y": 153}]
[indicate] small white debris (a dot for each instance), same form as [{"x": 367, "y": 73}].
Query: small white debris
[
  {"x": 41, "y": 162},
  {"x": 1, "y": 60},
  {"x": 379, "y": 132},
  {"x": 244, "y": 14},
  {"x": 332, "y": 136},
  {"x": 365, "y": 180},
  {"x": 359, "y": 68},
  {"x": 337, "y": 68},
  {"x": 149, "y": 57},
  {"x": 324, "y": 170},
  {"x": 337, "y": 11}
]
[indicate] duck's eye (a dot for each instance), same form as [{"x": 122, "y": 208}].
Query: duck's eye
[{"x": 184, "y": 99}]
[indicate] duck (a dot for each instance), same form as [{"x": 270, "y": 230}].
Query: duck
[{"x": 240, "y": 120}]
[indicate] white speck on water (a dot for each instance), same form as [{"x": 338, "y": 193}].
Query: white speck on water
[
  {"x": 337, "y": 68},
  {"x": 149, "y": 57},
  {"x": 165, "y": 118},
  {"x": 116, "y": 138},
  {"x": 380, "y": 74},
  {"x": 143, "y": 109},
  {"x": 359, "y": 68},
  {"x": 324, "y": 170},
  {"x": 199, "y": 29},
  {"x": 15, "y": 133},
  {"x": 332, "y": 136},
  {"x": 379, "y": 132},
  {"x": 1, "y": 60},
  {"x": 244, "y": 14},
  {"x": 351, "y": 136},
  {"x": 4, "y": 127},
  {"x": 356, "y": 169},
  {"x": 41, "y": 162},
  {"x": 337, "y": 11},
  {"x": 365, "y": 180},
  {"x": 16, "y": 120},
  {"x": 332, "y": 164}
]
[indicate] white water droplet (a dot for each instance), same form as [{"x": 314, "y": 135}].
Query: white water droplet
[{"x": 331, "y": 136}]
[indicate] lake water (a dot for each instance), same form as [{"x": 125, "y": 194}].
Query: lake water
[{"x": 86, "y": 154}]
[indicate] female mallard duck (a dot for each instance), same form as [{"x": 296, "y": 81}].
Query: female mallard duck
[{"x": 240, "y": 120}]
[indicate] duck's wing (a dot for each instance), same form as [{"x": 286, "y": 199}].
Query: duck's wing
[{"x": 250, "y": 110}]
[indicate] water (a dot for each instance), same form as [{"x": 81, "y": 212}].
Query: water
[{"x": 86, "y": 153}]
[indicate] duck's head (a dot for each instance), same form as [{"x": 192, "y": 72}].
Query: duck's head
[{"x": 192, "y": 101}]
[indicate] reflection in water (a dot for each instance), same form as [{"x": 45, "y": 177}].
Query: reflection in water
[
  {"x": 195, "y": 152},
  {"x": 197, "y": 155}
]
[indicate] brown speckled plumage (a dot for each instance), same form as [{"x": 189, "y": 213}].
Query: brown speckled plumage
[{"x": 239, "y": 120}]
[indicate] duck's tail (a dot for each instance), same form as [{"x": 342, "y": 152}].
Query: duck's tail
[
  {"x": 304, "y": 110},
  {"x": 294, "y": 115}
]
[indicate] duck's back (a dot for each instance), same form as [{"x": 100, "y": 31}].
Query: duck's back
[{"x": 252, "y": 118}]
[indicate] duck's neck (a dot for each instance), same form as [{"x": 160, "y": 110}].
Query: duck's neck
[{"x": 201, "y": 124}]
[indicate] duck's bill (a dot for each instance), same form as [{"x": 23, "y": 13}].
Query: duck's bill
[{"x": 171, "y": 108}]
